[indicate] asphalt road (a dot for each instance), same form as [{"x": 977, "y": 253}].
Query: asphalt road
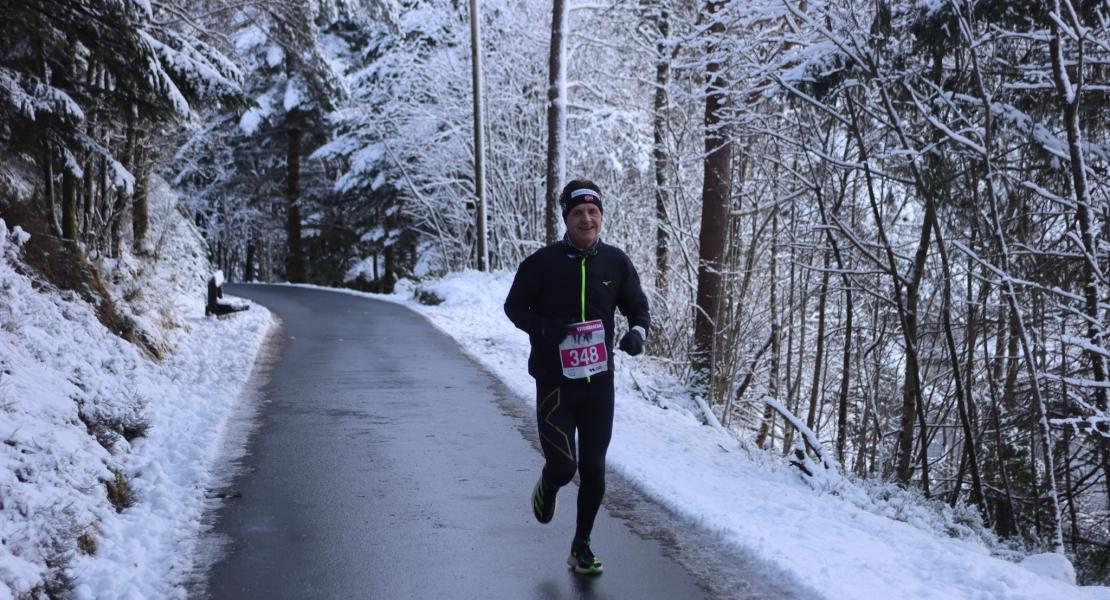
[{"x": 384, "y": 463}]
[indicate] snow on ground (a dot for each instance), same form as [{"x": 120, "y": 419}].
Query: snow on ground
[
  {"x": 82, "y": 411},
  {"x": 848, "y": 545}
]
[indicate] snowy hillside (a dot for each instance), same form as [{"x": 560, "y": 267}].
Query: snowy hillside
[
  {"x": 840, "y": 538},
  {"x": 106, "y": 449}
]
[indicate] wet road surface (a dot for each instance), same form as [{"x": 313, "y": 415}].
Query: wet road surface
[{"x": 384, "y": 463}]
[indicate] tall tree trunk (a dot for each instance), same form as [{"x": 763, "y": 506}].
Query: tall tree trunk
[
  {"x": 85, "y": 210},
  {"x": 69, "y": 205},
  {"x": 294, "y": 262},
  {"x": 1069, "y": 490},
  {"x": 801, "y": 306},
  {"x": 658, "y": 151},
  {"x": 248, "y": 268},
  {"x": 1004, "y": 519},
  {"x": 49, "y": 194},
  {"x": 556, "y": 116},
  {"x": 962, "y": 400},
  {"x": 140, "y": 207},
  {"x": 122, "y": 197},
  {"x": 819, "y": 359},
  {"x": 715, "y": 198},
  {"x": 140, "y": 214},
  {"x": 766, "y": 426},
  {"x": 846, "y": 359},
  {"x": 85, "y": 224}
]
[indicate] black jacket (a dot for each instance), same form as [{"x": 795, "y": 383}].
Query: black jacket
[{"x": 548, "y": 285}]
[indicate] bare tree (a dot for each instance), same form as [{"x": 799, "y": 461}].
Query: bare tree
[
  {"x": 715, "y": 200},
  {"x": 556, "y": 117}
]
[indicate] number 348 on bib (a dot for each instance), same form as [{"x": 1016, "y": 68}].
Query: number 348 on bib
[{"x": 583, "y": 351}]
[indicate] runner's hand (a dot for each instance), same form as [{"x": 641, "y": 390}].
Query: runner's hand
[
  {"x": 632, "y": 343},
  {"x": 554, "y": 331}
]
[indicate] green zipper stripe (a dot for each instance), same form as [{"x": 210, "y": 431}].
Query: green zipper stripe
[
  {"x": 583, "y": 288},
  {"x": 588, "y": 378}
]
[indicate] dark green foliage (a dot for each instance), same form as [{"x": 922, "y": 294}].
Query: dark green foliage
[
  {"x": 120, "y": 495},
  {"x": 86, "y": 88},
  {"x": 60, "y": 60}
]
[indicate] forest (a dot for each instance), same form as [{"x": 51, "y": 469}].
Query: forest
[{"x": 884, "y": 222}]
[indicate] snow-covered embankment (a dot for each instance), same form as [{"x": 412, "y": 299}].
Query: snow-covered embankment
[{"x": 106, "y": 452}]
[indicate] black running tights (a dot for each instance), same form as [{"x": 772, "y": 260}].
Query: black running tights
[{"x": 563, "y": 410}]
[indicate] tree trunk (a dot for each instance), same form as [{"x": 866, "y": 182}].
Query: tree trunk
[
  {"x": 658, "y": 152},
  {"x": 846, "y": 361},
  {"x": 140, "y": 215},
  {"x": 819, "y": 359},
  {"x": 294, "y": 262},
  {"x": 85, "y": 210},
  {"x": 119, "y": 207},
  {"x": 69, "y": 205},
  {"x": 556, "y": 117},
  {"x": 1004, "y": 520},
  {"x": 1073, "y": 517},
  {"x": 248, "y": 268},
  {"x": 962, "y": 399},
  {"x": 715, "y": 196},
  {"x": 49, "y": 195},
  {"x": 140, "y": 207},
  {"x": 85, "y": 200},
  {"x": 766, "y": 427}
]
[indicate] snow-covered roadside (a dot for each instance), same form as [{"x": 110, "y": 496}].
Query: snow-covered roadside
[
  {"x": 147, "y": 551},
  {"x": 846, "y": 545},
  {"x": 85, "y": 415}
]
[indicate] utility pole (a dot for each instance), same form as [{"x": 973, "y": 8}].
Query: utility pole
[{"x": 479, "y": 144}]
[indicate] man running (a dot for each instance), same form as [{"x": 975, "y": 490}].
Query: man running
[{"x": 564, "y": 296}]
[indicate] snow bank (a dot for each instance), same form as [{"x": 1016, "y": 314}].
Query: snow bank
[
  {"x": 104, "y": 453},
  {"x": 856, "y": 544},
  {"x": 1051, "y": 565}
]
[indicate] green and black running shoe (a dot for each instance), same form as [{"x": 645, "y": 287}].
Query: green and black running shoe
[
  {"x": 582, "y": 559},
  {"x": 543, "y": 501}
]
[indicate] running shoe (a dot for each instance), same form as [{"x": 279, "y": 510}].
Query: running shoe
[
  {"x": 582, "y": 559},
  {"x": 543, "y": 501}
]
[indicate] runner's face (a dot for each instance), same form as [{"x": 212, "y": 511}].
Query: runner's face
[{"x": 584, "y": 225}]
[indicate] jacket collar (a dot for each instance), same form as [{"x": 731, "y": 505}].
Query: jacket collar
[{"x": 573, "y": 252}]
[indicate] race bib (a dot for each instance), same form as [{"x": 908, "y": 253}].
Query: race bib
[{"x": 583, "y": 351}]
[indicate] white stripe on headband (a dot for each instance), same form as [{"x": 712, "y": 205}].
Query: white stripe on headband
[{"x": 584, "y": 192}]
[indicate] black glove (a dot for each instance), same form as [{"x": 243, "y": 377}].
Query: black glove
[
  {"x": 554, "y": 331},
  {"x": 632, "y": 343}
]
